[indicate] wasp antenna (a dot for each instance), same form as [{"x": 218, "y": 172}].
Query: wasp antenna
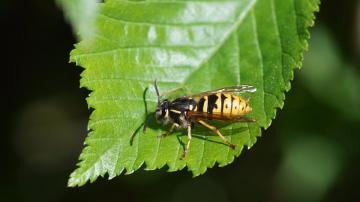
[
  {"x": 148, "y": 120},
  {"x": 157, "y": 91}
]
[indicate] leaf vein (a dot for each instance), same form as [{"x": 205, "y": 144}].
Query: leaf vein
[
  {"x": 227, "y": 35},
  {"x": 153, "y": 163},
  {"x": 152, "y": 48},
  {"x": 189, "y": 24},
  {"x": 259, "y": 53},
  {"x": 202, "y": 152},
  {"x": 277, "y": 31}
]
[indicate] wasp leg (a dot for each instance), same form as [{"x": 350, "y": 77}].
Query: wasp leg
[
  {"x": 213, "y": 128},
  {"x": 188, "y": 143},
  {"x": 173, "y": 126}
]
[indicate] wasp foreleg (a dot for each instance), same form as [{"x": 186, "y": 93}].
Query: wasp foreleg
[
  {"x": 173, "y": 126},
  {"x": 188, "y": 143},
  {"x": 213, "y": 128}
]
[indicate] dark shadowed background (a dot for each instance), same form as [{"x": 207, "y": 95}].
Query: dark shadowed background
[{"x": 310, "y": 153}]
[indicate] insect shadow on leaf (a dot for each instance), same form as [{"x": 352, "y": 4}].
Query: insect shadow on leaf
[
  {"x": 148, "y": 119},
  {"x": 202, "y": 132},
  {"x": 149, "y": 116}
]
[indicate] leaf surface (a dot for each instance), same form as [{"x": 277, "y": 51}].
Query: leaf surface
[{"x": 199, "y": 45}]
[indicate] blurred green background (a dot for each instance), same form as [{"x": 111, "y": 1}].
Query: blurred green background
[{"x": 310, "y": 153}]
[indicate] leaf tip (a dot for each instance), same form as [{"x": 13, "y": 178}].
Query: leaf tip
[{"x": 73, "y": 182}]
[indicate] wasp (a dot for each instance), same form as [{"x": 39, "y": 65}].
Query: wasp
[{"x": 221, "y": 104}]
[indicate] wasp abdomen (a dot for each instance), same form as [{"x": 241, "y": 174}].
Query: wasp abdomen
[{"x": 225, "y": 104}]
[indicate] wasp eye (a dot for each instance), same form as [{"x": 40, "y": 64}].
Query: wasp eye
[{"x": 158, "y": 112}]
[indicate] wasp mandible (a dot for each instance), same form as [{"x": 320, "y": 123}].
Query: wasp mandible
[{"x": 220, "y": 104}]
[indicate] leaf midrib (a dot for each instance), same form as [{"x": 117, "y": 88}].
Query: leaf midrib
[{"x": 227, "y": 34}]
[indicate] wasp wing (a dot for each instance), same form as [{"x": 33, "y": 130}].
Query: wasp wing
[
  {"x": 231, "y": 89},
  {"x": 195, "y": 116}
]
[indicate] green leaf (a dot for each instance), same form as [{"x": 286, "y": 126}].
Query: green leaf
[
  {"x": 81, "y": 14},
  {"x": 200, "y": 45}
]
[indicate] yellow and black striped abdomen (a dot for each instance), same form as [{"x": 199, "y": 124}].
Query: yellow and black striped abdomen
[{"x": 225, "y": 104}]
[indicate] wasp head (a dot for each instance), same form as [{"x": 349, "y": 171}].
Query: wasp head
[{"x": 162, "y": 111}]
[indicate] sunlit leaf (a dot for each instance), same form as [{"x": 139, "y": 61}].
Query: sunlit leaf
[
  {"x": 81, "y": 14},
  {"x": 200, "y": 45}
]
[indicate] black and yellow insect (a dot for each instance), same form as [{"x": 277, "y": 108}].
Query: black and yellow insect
[{"x": 220, "y": 104}]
